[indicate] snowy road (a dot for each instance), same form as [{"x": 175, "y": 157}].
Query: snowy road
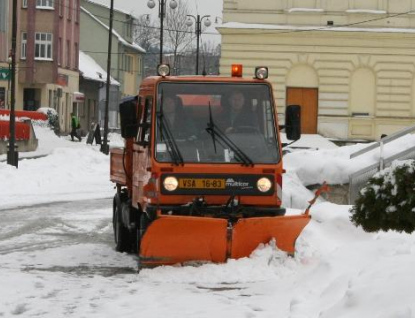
[
  {"x": 57, "y": 259},
  {"x": 43, "y": 226}
]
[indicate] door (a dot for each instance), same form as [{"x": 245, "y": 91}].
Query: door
[{"x": 307, "y": 98}]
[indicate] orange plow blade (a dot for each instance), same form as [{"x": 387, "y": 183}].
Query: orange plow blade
[
  {"x": 249, "y": 233},
  {"x": 178, "y": 239}
]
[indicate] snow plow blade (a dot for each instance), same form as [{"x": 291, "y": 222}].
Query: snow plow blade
[
  {"x": 249, "y": 233},
  {"x": 177, "y": 239},
  {"x": 180, "y": 239}
]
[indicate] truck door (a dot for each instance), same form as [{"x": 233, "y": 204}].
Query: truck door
[{"x": 141, "y": 150}]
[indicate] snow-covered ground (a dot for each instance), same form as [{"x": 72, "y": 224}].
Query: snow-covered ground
[{"x": 57, "y": 257}]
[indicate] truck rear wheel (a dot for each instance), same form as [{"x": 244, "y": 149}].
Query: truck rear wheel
[{"x": 121, "y": 233}]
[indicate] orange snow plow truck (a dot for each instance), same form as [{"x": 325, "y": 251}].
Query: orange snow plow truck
[{"x": 200, "y": 175}]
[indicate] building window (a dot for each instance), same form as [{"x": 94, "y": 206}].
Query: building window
[
  {"x": 50, "y": 98},
  {"x": 75, "y": 10},
  {"x": 60, "y": 51},
  {"x": 128, "y": 63},
  {"x": 24, "y": 46},
  {"x": 138, "y": 65},
  {"x": 2, "y": 97},
  {"x": 44, "y": 4},
  {"x": 43, "y": 46},
  {"x": 69, "y": 10},
  {"x": 68, "y": 55},
  {"x": 48, "y": 4},
  {"x": 76, "y": 56},
  {"x": 129, "y": 27},
  {"x": 61, "y": 5}
]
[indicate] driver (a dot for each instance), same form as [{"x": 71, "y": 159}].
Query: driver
[{"x": 237, "y": 114}]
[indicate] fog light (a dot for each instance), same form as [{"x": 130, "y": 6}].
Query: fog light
[
  {"x": 163, "y": 70},
  {"x": 264, "y": 184},
  {"x": 170, "y": 183}
]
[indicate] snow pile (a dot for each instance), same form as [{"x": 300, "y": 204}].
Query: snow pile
[{"x": 334, "y": 165}]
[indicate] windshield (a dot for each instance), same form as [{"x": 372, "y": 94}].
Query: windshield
[{"x": 215, "y": 122}]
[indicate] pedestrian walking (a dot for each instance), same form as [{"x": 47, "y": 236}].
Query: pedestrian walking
[{"x": 75, "y": 126}]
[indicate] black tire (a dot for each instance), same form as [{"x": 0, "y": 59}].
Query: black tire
[
  {"x": 121, "y": 233},
  {"x": 135, "y": 233}
]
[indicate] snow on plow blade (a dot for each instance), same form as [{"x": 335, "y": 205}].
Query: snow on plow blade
[
  {"x": 249, "y": 233},
  {"x": 178, "y": 239}
]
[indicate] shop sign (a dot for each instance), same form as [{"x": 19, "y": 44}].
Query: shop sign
[{"x": 4, "y": 74}]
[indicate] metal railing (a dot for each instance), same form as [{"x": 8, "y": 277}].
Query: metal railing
[
  {"x": 384, "y": 141},
  {"x": 359, "y": 179}
]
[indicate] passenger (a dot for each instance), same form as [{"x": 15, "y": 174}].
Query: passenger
[
  {"x": 237, "y": 114},
  {"x": 179, "y": 123}
]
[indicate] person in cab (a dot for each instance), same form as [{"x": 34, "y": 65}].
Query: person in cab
[{"x": 237, "y": 113}]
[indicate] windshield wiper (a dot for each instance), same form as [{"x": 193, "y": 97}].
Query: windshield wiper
[
  {"x": 214, "y": 131},
  {"x": 172, "y": 147}
]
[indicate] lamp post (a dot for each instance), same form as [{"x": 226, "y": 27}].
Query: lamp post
[
  {"x": 198, "y": 31},
  {"x": 162, "y": 12},
  {"x": 104, "y": 145},
  {"x": 12, "y": 154}
]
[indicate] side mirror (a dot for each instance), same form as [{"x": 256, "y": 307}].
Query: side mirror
[
  {"x": 128, "y": 116},
  {"x": 293, "y": 122}
]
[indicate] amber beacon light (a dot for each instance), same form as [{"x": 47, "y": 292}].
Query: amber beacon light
[{"x": 236, "y": 70}]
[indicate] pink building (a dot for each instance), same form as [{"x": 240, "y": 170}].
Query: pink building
[{"x": 47, "y": 55}]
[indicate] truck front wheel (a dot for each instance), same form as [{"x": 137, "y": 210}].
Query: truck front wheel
[{"x": 121, "y": 234}]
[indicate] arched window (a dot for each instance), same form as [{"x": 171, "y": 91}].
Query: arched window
[{"x": 362, "y": 92}]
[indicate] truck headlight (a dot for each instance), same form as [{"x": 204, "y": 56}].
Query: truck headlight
[
  {"x": 264, "y": 184},
  {"x": 170, "y": 183}
]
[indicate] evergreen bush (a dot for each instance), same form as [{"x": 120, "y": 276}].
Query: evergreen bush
[
  {"x": 53, "y": 121},
  {"x": 388, "y": 200}
]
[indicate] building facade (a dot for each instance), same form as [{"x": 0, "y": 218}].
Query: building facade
[
  {"x": 126, "y": 58},
  {"x": 350, "y": 65},
  {"x": 46, "y": 56}
]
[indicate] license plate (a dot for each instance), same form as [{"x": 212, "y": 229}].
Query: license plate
[{"x": 202, "y": 183}]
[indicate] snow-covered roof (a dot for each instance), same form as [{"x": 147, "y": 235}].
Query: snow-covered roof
[
  {"x": 91, "y": 70},
  {"x": 238, "y": 25},
  {"x": 123, "y": 41},
  {"x": 108, "y": 7}
]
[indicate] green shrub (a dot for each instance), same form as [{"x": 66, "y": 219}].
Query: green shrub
[
  {"x": 388, "y": 200},
  {"x": 53, "y": 121}
]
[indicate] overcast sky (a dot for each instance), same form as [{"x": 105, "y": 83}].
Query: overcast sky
[{"x": 202, "y": 7}]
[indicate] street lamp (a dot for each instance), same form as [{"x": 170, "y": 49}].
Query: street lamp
[
  {"x": 162, "y": 12},
  {"x": 12, "y": 154},
  {"x": 104, "y": 146},
  {"x": 198, "y": 21}
]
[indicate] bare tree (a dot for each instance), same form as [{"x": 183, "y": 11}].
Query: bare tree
[
  {"x": 179, "y": 47},
  {"x": 179, "y": 35},
  {"x": 209, "y": 57},
  {"x": 146, "y": 34}
]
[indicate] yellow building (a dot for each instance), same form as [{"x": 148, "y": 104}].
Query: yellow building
[{"x": 349, "y": 64}]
